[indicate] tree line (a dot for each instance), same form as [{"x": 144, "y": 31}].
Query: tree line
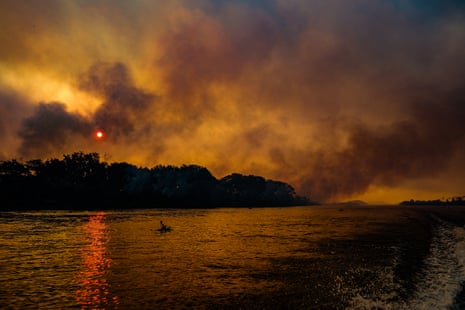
[
  {"x": 452, "y": 201},
  {"x": 82, "y": 181}
]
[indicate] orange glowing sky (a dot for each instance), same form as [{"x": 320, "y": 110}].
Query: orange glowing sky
[{"x": 342, "y": 99}]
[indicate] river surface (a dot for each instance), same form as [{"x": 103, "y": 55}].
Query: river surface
[{"x": 318, "y": 257}]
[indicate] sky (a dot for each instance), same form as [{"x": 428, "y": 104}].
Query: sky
[{"x": 360, "y": 99}]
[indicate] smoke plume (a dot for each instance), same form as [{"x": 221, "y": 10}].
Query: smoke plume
[{"x": 336, "y": 97}]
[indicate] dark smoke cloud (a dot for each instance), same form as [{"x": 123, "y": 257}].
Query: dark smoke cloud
[
  {"x": 332, "y": 96},
  {"x": 375, "y": 70},
  {"x": 123, "y": 104},
  {"x": 200, "y": 50},
  {"x": 12, "y": 111},
  {"x": 419, "y": 147},
  {"x": 53, "y": 129},
  {"x": 50, "y": 129}
]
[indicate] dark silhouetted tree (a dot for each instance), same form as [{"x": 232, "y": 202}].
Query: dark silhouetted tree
[{"x": 81, "y": 180}]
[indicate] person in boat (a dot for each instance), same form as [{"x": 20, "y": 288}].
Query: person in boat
[{"x": 163, "y": 226}]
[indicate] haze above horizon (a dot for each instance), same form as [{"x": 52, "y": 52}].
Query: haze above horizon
[{"x": 344, "y": 100}]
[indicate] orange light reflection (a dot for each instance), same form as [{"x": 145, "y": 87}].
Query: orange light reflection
[{"x": 94, "y": 288}]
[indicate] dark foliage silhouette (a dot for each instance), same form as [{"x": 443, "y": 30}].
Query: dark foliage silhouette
[
  {"x": 81, "y": 181},
  {"x": 453, "y": 201}
]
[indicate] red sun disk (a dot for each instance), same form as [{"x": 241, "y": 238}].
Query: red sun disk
[{"x": 99, "y": 134}]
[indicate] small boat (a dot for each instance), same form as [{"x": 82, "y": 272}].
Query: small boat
[{"x": 164, "y": 229}]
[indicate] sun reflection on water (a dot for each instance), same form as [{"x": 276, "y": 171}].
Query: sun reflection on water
[{"x": 94, "y": 288}]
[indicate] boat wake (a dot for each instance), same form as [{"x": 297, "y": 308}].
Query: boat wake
[{"x": 438, "y": 285}]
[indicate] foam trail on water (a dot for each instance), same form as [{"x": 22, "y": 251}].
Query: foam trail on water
[
  {"x": 440, "y": 281},
  {"x": 444, "y": 272}
]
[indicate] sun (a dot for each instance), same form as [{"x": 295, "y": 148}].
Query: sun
[{"x": 99, "y": 134}]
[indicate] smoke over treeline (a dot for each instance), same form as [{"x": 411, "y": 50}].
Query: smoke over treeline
[
  {"x": 334, "y": 97},
  {"x": 81, "y": 180}
]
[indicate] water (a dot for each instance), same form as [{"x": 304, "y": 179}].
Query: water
[{"x": 289, "y": 258}]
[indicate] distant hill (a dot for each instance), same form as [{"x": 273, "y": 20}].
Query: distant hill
[
  {"x": 352, "y": 203},
  {"x": 82, "y": 181}
]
